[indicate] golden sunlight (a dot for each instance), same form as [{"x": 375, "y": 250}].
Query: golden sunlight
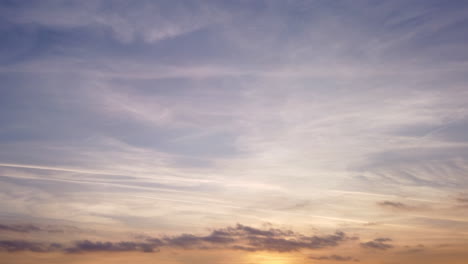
[{"x": 271, "y": 258}]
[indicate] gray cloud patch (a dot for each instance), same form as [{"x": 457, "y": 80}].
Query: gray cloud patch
[
  {"x": 20, "y": 228},
  {"x": 378, "y": 243},
  {"x": 76, "y": 247},
  {"x": 30, "y": 228},
  {"x": 394, "y": 205},
  {"x": 335, "y": 258},
  {"x": 22, "y": 245},
  {"x": 412, "y": 249},
  {"x": 462, "y": 199},
  {"x": 89, "y": 246}
]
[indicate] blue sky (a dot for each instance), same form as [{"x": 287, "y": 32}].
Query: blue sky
[{"x": 169, "y": 117}]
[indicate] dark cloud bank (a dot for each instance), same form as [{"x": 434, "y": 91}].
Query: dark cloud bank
[{"x": 239, "y": 237}]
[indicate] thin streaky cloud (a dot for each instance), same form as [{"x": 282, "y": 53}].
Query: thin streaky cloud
[{"x": 98, "y": 172}]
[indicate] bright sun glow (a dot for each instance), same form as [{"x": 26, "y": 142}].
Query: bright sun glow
[{"x": 270, "y": 258}]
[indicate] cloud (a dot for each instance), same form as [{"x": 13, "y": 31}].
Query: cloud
[
  {"x": 462, "y": 200},
  {"x": 147, "y": 21},
  {"x": 239, "y": 237},
  {"x": 412, "y": 249},
  {"x": 378, "y": 243},
  {"x": 248, "y": 238},
  {"x": 394, "y": 205},
  {"x": 188, "y": 240},
  {"x": 77, "y": 246},
  {"x": 20, "y": 228},
  {"x": 29, "y": 228},
  {"x": 89, "y": 246},
  {"x": 22, "y": 245},
  {"x": 399, "y": 206},
  {"x": 335, "y": 258}
]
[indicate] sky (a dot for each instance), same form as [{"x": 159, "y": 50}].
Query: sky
[{"x": 234, "y": 132}]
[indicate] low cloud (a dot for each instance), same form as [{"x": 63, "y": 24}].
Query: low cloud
[
  {"x": 394, "y": 205},
  {"x": 412, "y": 249},
  {"x": 239, "y": 237},
  {"x": 20, "y": 228},
  {"x": 30, "y": 228},
  {"x": 371, "y": 224},
  {"x": 378, "y": 243},
  {"x": 89, "y": 246},
  {"x": 335, "y": 258},
  {"x": 76, "y": 247},
  {"x": 248, "y": 238},
  {"x": 462, "y": 201},
  {"x": 400, "y": 206},
  {"x": 22, "y": 245}
]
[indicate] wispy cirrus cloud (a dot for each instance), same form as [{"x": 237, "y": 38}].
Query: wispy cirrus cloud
[{"x": 144, "y": 21}]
